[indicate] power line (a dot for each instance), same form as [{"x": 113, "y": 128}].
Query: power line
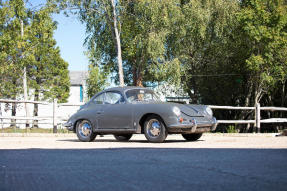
[{"x": 218, "y": 75}]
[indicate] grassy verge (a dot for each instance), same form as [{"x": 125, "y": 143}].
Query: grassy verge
[{"x": 32, "y": 130}]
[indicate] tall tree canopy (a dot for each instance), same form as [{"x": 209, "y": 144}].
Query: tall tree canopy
[
  {"x": 31, "y": 46},
  {"x": 36, "y": 50},
  {"x": 264, "y": 31}
]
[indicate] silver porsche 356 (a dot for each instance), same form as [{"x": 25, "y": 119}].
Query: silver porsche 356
[{"x": 124, "y": 111}]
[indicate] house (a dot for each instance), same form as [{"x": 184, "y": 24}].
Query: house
[{"x": 78, "y": 86}]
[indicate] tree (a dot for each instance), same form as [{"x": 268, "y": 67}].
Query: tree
[
  {"x": 102, "y": 22},
  {"x": 97, "y": 80},
  {"x": 47, "y": 71},
  {"x": 264, "y": 25},
  {"x": 34, "y": 49},
  {"x": 146, "y": 26},
  {"x": 13, "y": 47},
  {"x": 202, "y": 41}
]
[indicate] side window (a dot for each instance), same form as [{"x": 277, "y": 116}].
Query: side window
[
  {"x": 99, "y": 99},
  {"x": 113, "y": 98}
]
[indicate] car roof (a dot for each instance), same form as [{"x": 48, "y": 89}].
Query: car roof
[{"x": 125, "y": 88}]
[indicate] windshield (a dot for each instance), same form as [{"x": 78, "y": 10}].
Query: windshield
[{"x": 141, "y": 95}]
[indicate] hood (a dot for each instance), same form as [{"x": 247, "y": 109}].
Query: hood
[
  {"x": 191, "y": 111},
  {"x": 187, "y": 109}
]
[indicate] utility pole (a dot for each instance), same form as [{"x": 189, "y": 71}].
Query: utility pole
[
  {"x": 24, "y": 79},
  {"x": 119, "y": 49}
]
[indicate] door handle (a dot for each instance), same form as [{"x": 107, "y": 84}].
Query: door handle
[{"x": 99, "y": 112}]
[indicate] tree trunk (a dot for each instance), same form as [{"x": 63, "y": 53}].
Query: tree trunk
[
  {"x": 258, "y": 95},
  {"x": 36, "y": 109},
  {"x": 24, "y": 79},
  {"x": 245, "y": 113},
  {"x": 14, "y": 109},
  {"x": 137, "y": 77},
  {"x": 283, "y": 94},
  {"x": 119, "y": 49}
]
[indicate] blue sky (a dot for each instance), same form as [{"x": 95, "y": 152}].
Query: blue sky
[{"x": 70, "y": 36}]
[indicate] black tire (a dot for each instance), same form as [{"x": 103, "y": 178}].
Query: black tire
[
  {"x": 85, "y": 132},
  {"x": 156, "y": 133},
  {"x": 192, "y": 137},
  {"x": 123, "y": 137}
]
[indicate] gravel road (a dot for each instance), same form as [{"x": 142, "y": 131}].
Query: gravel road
[{"x": 215, "y": 162}]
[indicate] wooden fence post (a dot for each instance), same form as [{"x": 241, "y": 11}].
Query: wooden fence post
[
  {"x": 54, "y": 116},
  {"x": 257, "y": 117},
  {"x": 2, "y": 125},
  {"x": 1, "y": 118}
]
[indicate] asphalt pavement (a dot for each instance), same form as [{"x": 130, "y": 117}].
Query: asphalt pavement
[{"x": 141, "y": 168}]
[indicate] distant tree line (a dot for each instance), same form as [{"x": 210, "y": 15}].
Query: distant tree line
[{"x": 26, "y": 41}]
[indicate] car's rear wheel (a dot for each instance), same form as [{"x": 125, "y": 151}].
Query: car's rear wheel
[
  {"x": 84, "y": 131},
  {"x": 154, "y": 129},
  {"x": 123, "y": 137},
  {"x": 192, "y": 137}
]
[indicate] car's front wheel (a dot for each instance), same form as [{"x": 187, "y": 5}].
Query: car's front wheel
[
  {"x": 84, "y": 131},
  {"x": 123, "y": 137},
  {"x": 192, "y": 137},
  {"x": 154, "y": 129}
]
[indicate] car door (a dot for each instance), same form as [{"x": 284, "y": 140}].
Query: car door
[
  {"x": 95, "y": 109},
  {"x": 116, "y": 113}
]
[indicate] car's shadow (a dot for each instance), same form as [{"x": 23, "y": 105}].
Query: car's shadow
[{"x": 130, "y": 141}]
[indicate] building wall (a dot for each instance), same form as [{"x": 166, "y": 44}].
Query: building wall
[{"x": 74, "y": 94}]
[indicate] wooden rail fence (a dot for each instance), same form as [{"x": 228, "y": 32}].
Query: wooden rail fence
[{"x": 60, "y": 119}]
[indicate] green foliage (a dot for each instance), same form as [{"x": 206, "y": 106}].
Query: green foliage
[
  {"x": 97, "y": 80},
  {"x": 202, "y": 41},
  {"x": 231, "y": 129},
  {"x": 221, "y": 52},
  {"x": 264, "y": 26},
  {"x": 36, "y": 50},
  {"x": 12, "y": 47},
  {"x": 47, "y": 71},
  {"x": 146, "y": 26}
]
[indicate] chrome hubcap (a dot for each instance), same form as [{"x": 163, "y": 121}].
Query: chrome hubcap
[
  {"x": 85, "y": 130},
  {"x": 154, "y": 128}
]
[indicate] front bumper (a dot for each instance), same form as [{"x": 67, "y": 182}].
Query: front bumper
[
  {"x": 69, "y": 126},
  {"x": 194, "y": 127}
]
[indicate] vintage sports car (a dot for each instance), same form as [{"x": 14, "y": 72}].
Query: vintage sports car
[{"x": 124, "y": 111}]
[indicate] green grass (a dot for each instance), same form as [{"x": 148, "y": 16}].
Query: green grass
[
  {"x": 32, "y": 130},
  {"x": 231, "y": 129}
]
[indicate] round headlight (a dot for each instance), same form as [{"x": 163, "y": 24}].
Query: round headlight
[
  {"x": 209, "y": 111},
  {"x": 176, "y": 111}
]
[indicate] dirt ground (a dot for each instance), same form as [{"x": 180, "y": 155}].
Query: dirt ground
[{"x": 70, "y": 141}]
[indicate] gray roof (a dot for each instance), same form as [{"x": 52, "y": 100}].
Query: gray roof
[
  {"x": 78, "y": 77},
  {"x": 124, "y": 88}
]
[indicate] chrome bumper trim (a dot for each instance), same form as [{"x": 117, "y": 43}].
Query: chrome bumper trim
[
  {"x": 212, "y": 125},
  {"x": 69, "y": 126}
]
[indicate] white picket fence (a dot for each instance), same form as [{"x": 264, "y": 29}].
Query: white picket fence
[{"x": 55, "y": 120}]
